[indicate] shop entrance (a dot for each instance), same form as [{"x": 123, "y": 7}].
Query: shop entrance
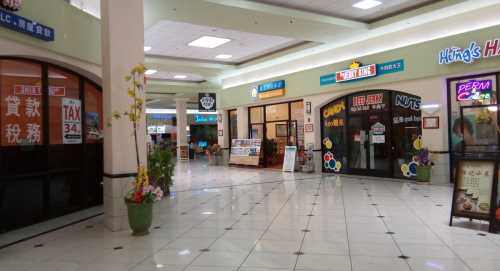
[
  {"x": 369, "y": 145},
  {"x": 375, "y": 133}
]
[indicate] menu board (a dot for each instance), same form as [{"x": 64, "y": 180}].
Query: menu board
[
  {"x": 245, "y": 152},
  {"x": 289, "y": 159},
  {"x": 473, "y": 189}
]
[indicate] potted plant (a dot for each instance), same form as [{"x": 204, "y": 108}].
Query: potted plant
[
  {"x": 139, "y": 200},
  {"x": 161, "y": 166},
  {"x": 424, "y": 166}
]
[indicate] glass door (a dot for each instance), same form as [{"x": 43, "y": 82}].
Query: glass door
[{"x": 369, "y": 144}]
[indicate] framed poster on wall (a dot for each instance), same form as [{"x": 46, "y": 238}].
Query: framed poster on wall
[{"x": 430, "y": 122}]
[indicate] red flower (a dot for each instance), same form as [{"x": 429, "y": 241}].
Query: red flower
[{"x": 138, "y": 196}]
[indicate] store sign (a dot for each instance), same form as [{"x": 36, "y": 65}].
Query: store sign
[
  {"x": 407, "y": 102},
  {"x": 474, "y": 51},
  {"x": 474, "y": 90},
  {"x": 26, "y": 26},
  {"x": 207, "y": 102},
  {"x": 367, "y": 102},
  {"x": 71, "y": 121},
  {"x": 205, "y": 118},
  {"x": 27, "y": 90},
  {"x": 271, "y": 89},
  {"x": 357, "y": 71}
]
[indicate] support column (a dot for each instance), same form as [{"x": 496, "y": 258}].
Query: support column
[
  {"x": 181, "y": 116},
  {"x": 223, "y": 125},
  {"x": 122, "y": 35},
  {"x": 242, "y": 113}
]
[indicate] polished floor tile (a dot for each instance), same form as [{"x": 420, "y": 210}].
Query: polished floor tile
[{"x": 240, "y": 219}]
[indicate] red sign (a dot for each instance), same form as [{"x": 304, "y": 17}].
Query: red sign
[{"x": 357, "y": 73}]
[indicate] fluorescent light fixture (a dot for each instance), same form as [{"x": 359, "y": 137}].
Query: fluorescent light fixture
[
  {"x": 223, "y": 56},
  {"x": 207, "y": 213},
  {"x": 427, "y": 106},
  {"x": 208, "y": 42},
  {"x": 150, "y": 72},
  {"x": 180, "y": 76},
  {"x": 159, "y": 266},
  {"x": 184, "y": 252},
  {"x": 367, "y": 4},
  {"x": 492, "y": 108},
  {"x": 147, "y": 48}
]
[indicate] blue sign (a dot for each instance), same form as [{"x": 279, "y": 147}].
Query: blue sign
[
  {"x": 205, "y": 118},
  {"x": 384, "y": 68},
  {"x": 271, "y": 86},
  {"x": 26, "y": 26},
  {"x": 161, "y": 116},
  {"x": 455, "y": 54}
]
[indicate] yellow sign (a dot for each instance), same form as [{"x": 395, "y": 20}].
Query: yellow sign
[
  {"x": 272, "y": 93},
  {"x": 334, "y": 109}
]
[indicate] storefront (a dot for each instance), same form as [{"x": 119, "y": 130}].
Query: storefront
[
  {"x": 374, "y": 132},
  {"x": 277, "y": 125},
  {"x": 51, "y": 153}
]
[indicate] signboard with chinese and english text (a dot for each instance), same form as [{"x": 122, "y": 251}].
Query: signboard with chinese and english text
[
  {"x": 357, "y": 71},
  {"x": 271, "y": 89},
  {"x": 468, "y": 55},
  {"x": 71, "y": 121},
  {"x": 26, "y": 26}
]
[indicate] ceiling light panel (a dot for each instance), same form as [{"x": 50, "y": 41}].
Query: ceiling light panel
[
  {"x": 223, "y": 56},
  {"x": 208, "y": 42},
  {"x": 367, "y": 4}
]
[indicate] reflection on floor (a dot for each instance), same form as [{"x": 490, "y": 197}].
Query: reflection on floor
[{"x": 256, "y": 220}]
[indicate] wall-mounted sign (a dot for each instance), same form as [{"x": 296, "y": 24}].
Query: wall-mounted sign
[
  {"x": 474, "y": 90},
  {"x": 308, "y": 128},
  {"x": 407, "y": 102},
  {"x": 357, "y": 71},
  {"x": 71, "y": 121},
  {"x": 13, "y": 5},
  {"x": 374, "y": 101},
  {"x": 207, "y": 102},
  {"x": 26, "y": 26},
  {"x": 27, "y": 90},
  {"x": 471, "y": 53},
  {"x": 271, "y": 89},
  {"x": 205, "y": 118}
]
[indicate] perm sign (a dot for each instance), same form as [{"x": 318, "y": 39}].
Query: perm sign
[{"x": 71, "y": 121}]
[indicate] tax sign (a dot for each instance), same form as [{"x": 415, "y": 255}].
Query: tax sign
[{"x": 71, "y": 121}]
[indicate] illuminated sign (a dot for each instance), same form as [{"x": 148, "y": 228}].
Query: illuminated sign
[
  {"x": 410, "y": 102},
  {"x": 368, "y": 102},
  {"x": 471, "y": 53},
  {"x": 204, "y": 118},
  {"x": 474, "y": 90},
  {"x": 271, "y": 89},
  {"x": 358, "y": 72}
]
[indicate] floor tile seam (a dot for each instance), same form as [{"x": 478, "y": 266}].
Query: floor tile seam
[
  {"x": 346, "y": 227},
  {"x": 435, "y": 234},
  {"x": 219, "y": 237},
  {"x": 267, "y": 229},
  {"x": 306, "y": 228},
  {"x": 183, "y": 233}
]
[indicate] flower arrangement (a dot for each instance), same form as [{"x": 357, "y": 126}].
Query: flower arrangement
[
  {"x": 422, "y": 157},
  {"x": 142, "y": 191}
]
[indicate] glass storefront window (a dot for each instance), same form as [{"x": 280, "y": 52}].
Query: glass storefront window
[
  {"x": 233, "y": 125},
  {"x": 277, "y": 112},
  {"x": 257, "y": 115},
  {"x": 479, "y": 129},
  {"x": 21, "y": 106},
  {"x": 64, "y": 103}
]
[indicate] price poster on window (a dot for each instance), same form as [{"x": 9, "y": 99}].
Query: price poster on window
[{"x": 72, "y": 121}]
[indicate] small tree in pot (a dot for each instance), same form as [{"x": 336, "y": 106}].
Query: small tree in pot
[
  {"x": 161, "y": 165},
  {"x": 139, "y": 200}
]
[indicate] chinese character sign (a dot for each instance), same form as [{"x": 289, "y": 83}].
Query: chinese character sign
[
  {"x": 21, "y": 116},
  {"x": 71, "y": 121}
]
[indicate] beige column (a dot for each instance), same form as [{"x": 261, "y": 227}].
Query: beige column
[
  {"x": 242, "y": 113},
  {"x": 181, "y": 116},
  {"x": 122, "y": 37},
  {"x": 223, "y": 125}
]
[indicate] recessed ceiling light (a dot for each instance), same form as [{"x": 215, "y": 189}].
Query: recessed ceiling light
[
  {"x": 180, "y": 76},
  {"x": 223, "y": 56},
  {"x": 147, "y": 48},
  {"x": 150, "y": 71},
  {"x": 208, "y": 42},
  {"x": 367, "y": 4}
]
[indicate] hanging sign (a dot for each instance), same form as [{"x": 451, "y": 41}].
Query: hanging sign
[
  {"x": 289, "y": 158},
  {"x": 357, "y": 71},
  {"x": 271, "y": 89},
  {"x": 26, "y": 26},
  {"x": 474, "y": 90},
  {"x": 473, "y": 52},
  {"x": 207, "y": 102},
  {"x": 71, "y": 121}
]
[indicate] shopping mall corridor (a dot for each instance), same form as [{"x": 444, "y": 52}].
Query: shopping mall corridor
[{"x": 225, "y": 219}]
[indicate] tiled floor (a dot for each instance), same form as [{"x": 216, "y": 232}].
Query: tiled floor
[{"x": 227, "y": 219}]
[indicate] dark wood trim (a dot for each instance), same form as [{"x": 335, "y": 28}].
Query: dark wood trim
[{"x": 120, "y": 175}]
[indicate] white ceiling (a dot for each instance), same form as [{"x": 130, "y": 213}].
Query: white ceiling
[
  {"x": 164, "y": 75},
  {"x": 344, "y": 9},
  {"x": 170, "y": 39}
]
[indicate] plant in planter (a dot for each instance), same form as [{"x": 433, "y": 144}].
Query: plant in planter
[
  {"x": 161, "y": 165},
  {"x": 424, "y": 165},
  {"x": 139, "y": 200}
]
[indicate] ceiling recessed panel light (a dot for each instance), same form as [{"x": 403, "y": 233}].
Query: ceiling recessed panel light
[
  {"x": 367, "y": 4},
  {"x": 223, "y": 56},
  {"x": 147, "y": 48},
  {"x": 150, "y": 72},
  {"x": 208, "y": 42},
  {"x": 180, "y": 76}
]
